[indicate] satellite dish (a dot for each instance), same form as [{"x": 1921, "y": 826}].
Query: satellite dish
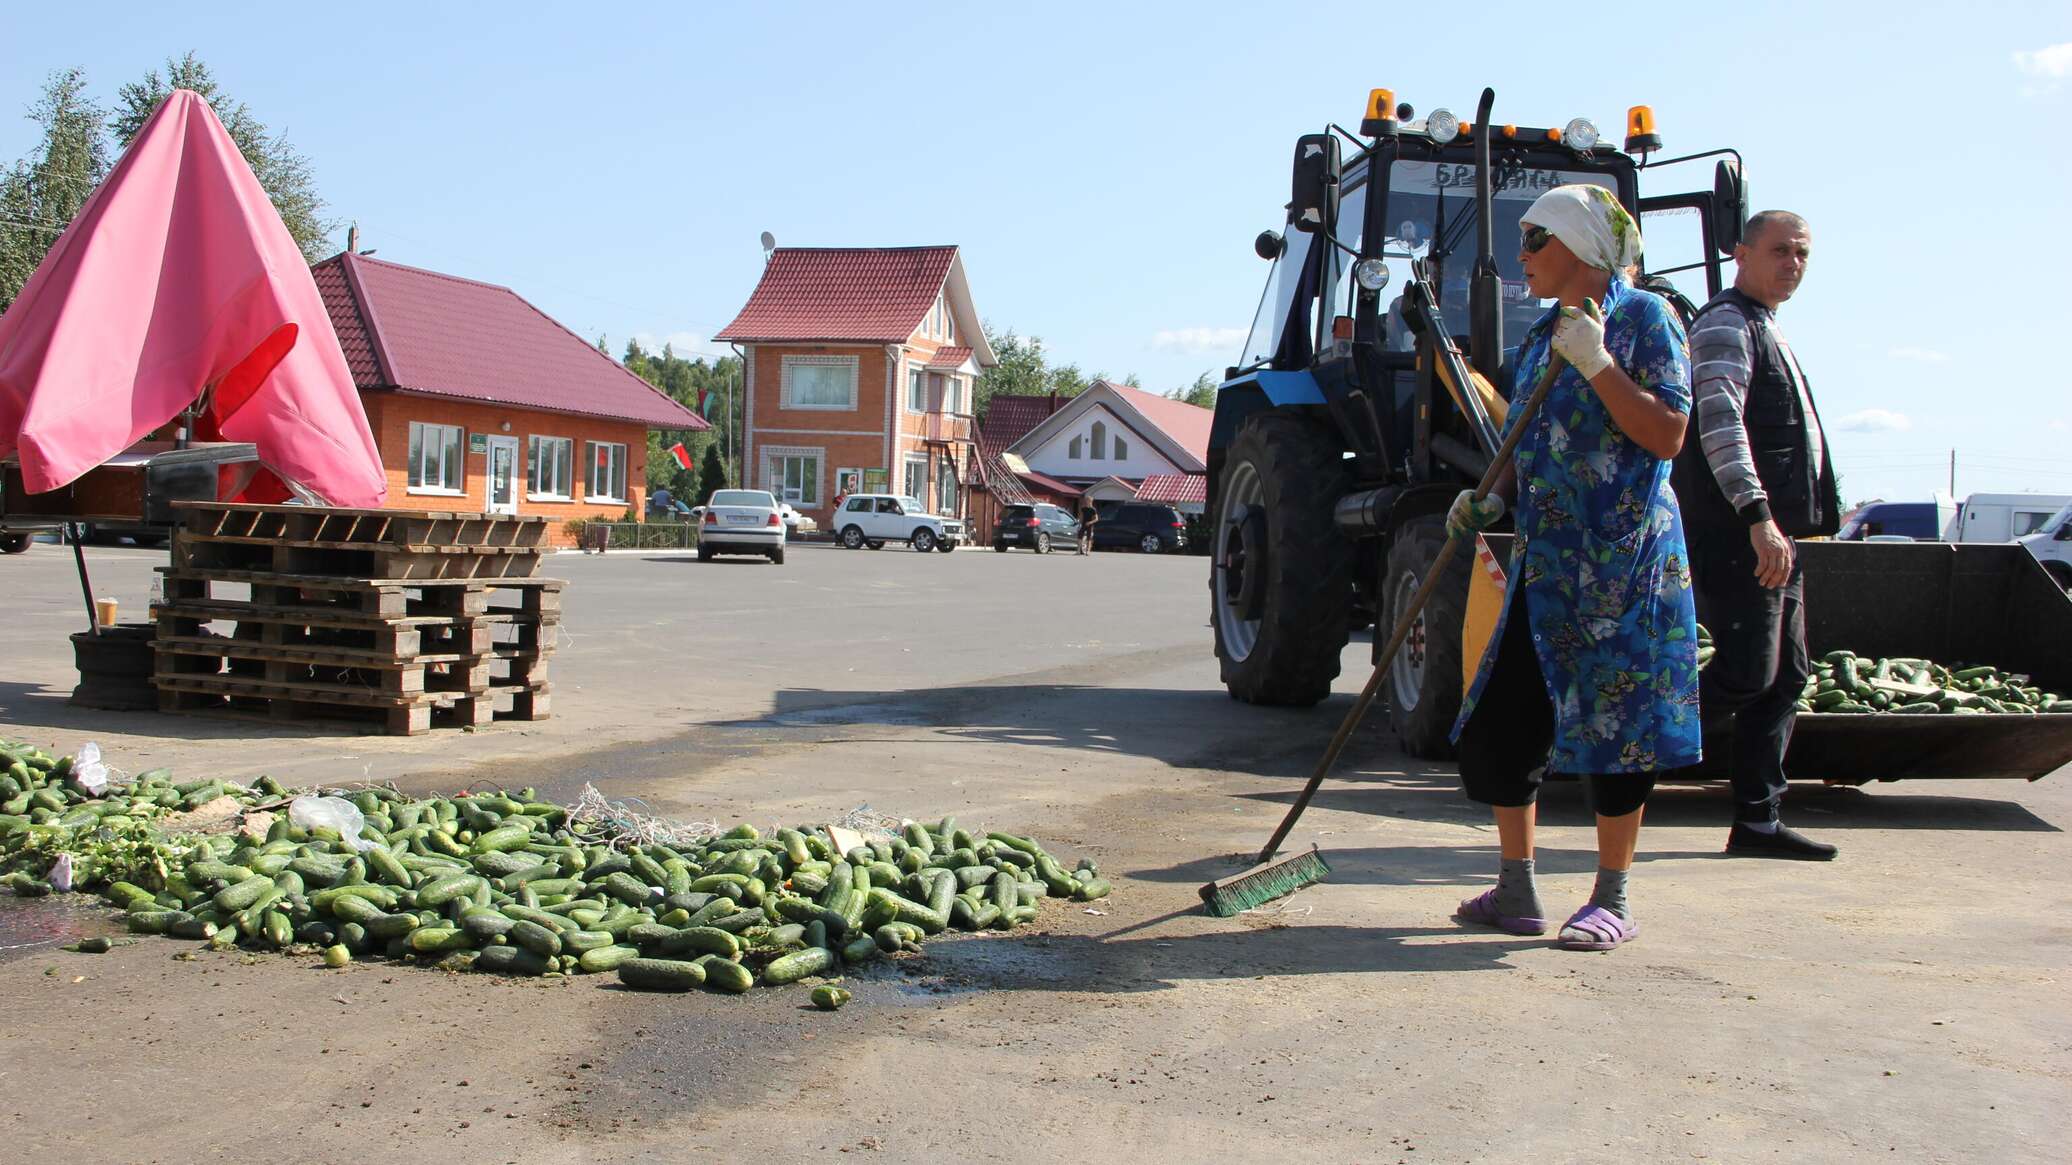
[{"x": 769, "y": 245}]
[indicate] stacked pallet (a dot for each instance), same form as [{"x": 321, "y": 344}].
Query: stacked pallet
[{"x": 397, "y": 620}]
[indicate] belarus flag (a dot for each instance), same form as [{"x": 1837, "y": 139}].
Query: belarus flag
[{"x": 682, "y": 455}]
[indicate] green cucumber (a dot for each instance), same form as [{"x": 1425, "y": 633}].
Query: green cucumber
[
  {"x": 535, "y": 938},
  {"x": 510, "y": 961},
  {"x": 727, "y": 976},
  {"x": 660, "y": 974},
  {"x": 793, "y": 967},
  {"x": 606, "y": 958},
  {"x": 704, "y": 940}
]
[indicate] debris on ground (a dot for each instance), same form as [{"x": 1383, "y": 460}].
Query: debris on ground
[{"x": 508, "y": 883}]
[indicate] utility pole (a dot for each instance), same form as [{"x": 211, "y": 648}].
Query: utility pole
[{"x": 1953, "y": 474}]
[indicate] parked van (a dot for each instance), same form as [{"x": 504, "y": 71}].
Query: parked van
[
  {"x": 2052, "y": 546},
  {"x": 1918, "y": 521},
  {"x": 2003, "y": 517}
]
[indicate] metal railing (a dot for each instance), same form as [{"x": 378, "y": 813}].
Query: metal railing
[{"x": 638, "y": 536}]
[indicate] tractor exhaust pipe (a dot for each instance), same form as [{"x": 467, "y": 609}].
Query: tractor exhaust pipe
[{"x": 1485, "y": 286}]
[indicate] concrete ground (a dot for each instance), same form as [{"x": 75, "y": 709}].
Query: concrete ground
[{"x": 1905, "y": 1003}]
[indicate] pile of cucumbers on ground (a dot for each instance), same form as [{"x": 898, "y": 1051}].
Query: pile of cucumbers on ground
[
  {"x": 511, "y": 884},
  {"x": 1844, "y": 682}
]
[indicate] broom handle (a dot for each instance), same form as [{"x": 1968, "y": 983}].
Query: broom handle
[{"x": 1410, "y": 613}]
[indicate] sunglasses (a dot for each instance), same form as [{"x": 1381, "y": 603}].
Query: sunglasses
[{"x": 1534, "y": 239}]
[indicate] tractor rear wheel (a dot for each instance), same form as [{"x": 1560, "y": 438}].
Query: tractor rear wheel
[
  {"x": 1424, "y": 682},
  {"x": 1282, "y": 582}
]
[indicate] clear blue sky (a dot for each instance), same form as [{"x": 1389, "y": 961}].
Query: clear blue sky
[{"x": 1105, "y": 166}]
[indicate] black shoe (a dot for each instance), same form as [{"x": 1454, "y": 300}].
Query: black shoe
[{"x": 1786, "y": 842}]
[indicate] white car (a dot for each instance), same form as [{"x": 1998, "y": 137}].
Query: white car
[
  {"x": 741, "y": 521},
  {"x": 874, "y": 519}
]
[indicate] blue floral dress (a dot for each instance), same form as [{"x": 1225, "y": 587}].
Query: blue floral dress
[{"x": 1599, "y": 560}]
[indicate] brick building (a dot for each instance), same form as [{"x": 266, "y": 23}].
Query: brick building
[
  {"x": 860, "y": 364},
  {"x": 480, "y": 401}
]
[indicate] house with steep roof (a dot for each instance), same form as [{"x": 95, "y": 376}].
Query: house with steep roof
[
  {"x": 860, "y": 367},
  {"x": 480, "y": 401},
  {"x": 1111, "y": 443}
]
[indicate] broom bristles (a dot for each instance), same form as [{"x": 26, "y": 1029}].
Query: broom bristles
[{"x": 1264, "y": 883}]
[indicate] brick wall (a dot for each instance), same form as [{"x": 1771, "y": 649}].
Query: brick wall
[{"x": 391, "y": 413}]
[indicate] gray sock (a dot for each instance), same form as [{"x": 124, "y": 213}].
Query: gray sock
[
  {"x": 1611, "y": 892},
  {"x": 1516, "y": 895}
]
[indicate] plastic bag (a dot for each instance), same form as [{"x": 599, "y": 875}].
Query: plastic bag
[
  {"x": 88, "y": 772},
  {"x": 60, "y": 875},
  {"x": 334, "y": 813}
]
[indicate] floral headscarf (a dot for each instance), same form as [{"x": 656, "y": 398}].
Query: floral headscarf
[{"x": 1590, "y": 222}]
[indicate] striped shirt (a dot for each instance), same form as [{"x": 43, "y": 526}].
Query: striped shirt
[{"x": 1722, "y": 364}]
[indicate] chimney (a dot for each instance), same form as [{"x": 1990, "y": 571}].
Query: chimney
[
  {"x": 352, "y": 239},
  {"x": 1053, "y": 400}
]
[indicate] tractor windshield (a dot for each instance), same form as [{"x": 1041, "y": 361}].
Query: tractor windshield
[{"x": 1431, "y": 216}]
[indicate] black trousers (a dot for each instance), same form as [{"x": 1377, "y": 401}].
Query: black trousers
[
  {"x": 1748, "y": 694},
  {"x": 1504, "y": 744}
]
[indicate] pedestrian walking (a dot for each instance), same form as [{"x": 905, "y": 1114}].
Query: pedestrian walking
[
  {"x": 1089, "y": 517},
  {"x": 1754, "y": 474},
  {"x": 1593, "y": 670}
]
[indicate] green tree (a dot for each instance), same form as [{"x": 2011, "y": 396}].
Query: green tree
[
  {"x": 1202, "y": 392},
  {"x": 1024, "y": 370},
  {"x": 712, "y": 474},
  {"x": 40, "y": 193},
  {"x": 284, "y": 172},
  {"x": 688, "y": 382}
]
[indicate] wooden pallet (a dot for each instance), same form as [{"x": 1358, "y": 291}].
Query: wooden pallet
[
  {"x": 244, "y": 698},
  {"x": 396, "y": 638},
  {"x": 368, "y": 596},
  {"x": 418, "y": 563},
  {"x": 399, "y": 528}
]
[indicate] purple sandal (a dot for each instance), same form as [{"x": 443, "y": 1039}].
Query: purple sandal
[
  {"x": 1481, "y": 910},
  {"x": 1593, "y": 928}
]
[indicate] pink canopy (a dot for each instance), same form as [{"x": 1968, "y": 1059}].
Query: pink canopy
[{"x": 177, "y": 275}]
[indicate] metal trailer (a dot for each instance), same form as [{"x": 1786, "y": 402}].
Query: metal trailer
[{"x": 1347, "y": 427}]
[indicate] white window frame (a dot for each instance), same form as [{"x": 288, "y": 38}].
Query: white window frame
[
  {"x": 1097, "y": 441},
  {"x": 907, "y": 477},
  {"x": 563, "y": 459},
  {"x": 917, "y": 378},
  {"x": 451, "y": 466},
  {"x": 787, "y": 396},
  {"x": 615, "y": 473},
  {"x": 775, "y": 472}
]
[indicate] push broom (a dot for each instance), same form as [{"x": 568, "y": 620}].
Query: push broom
[{"x": 1269, "y": 879}]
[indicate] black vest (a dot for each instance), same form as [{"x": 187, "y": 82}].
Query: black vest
[{"x": 1803, "y": 503}]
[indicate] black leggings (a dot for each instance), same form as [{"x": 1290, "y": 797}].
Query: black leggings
[{"x": 1505, "y": 742}]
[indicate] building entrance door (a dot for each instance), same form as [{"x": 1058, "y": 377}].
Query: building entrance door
[{"x": 503, "y": 476}]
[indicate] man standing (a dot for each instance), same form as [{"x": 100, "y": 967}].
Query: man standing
[
  {"x": 1756, "y": 476},
  {"x": 1089, "y": 517}
]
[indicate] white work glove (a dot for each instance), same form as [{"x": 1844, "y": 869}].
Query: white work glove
[
  {"x": 1469, "y": 516},
  {"x": 1579, "y": 337}
]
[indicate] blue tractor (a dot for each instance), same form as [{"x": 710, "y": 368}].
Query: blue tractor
[{"x": 1363, "y": 401}]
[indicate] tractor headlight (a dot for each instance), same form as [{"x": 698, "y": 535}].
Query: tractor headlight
[
  {"x": 1442, "y": 125},
  {"x": 1371, "y": 274},
  {"x": 1580, "y": 134}
]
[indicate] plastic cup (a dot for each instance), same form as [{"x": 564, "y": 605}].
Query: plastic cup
[{"x": 104, "y": 610}]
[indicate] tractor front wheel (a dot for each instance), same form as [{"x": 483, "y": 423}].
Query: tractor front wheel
[
  {"x": 1424, "y": 682},
  {"x": 1281, "y": 582}
]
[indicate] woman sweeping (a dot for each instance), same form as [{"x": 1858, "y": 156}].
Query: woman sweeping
[{"x": 1593, "y": 669}]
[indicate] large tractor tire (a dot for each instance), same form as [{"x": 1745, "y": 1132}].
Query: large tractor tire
[
  {"x": 1282, "y": 580},
  {"x": 1424, "y": 681}
]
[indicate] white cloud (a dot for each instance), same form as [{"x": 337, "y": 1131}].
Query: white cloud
[
  {"x": 2052, "y": 61},
  {"x": 1199, "y": 339},
  {"x": 1874, "y": 421},
  {"x": 1923, "y": 355},
  {"x": 2059, "y": 425}
]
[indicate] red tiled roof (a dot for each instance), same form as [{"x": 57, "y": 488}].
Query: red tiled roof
[
  {"x": 877, "y": 294},
  {"x": 1172, "y": 488},
  {"x": 1187, "y": 425},
  {"x": 1009, "y": 418},
  {"x": 949, "y": 357},
  {"x": 421, "y": 331}
]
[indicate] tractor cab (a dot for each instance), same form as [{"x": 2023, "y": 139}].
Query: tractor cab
[{"x": 1371, "y": 386}]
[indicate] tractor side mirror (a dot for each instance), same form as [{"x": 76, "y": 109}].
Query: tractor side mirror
[
  {"x": 1729, "y": 205},
  {"x": 1268, "y": 245},
  {"x": 1313, "y": 202}
]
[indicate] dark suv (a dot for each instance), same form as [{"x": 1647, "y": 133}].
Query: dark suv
[
  {"x": 1039, "y": 527},
  {"x": 1140, "y": 526}
]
